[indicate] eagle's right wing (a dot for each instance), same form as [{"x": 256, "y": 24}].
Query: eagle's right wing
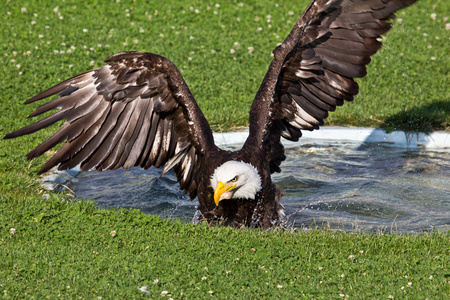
[{"x": 135, "y": 111}]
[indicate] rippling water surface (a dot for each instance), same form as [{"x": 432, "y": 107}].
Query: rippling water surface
[{"x": 338, "y": 185}]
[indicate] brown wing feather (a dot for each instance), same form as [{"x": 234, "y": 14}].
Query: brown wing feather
[
  {"x": 136, "y": 111},
  {"x": 313, "y": 71}
]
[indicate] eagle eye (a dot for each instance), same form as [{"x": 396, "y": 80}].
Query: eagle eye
[{"x": 234, "y": 179}]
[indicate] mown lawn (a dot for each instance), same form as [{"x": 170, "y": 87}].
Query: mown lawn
[{"x": 71, "y": 249}]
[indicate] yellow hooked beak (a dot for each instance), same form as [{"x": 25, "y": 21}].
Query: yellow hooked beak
[{"x": 222, "y": 191}]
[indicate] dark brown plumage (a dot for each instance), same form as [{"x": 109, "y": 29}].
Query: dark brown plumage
[{"x": 138, "y": 111}]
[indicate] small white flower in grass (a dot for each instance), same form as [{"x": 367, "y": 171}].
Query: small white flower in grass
[
  {"x": 342, "y": 295},
  {"x": 8, "y": 13},
  {"x": 18, "y": 66},
  {"x": 13, "y": 60},
  {"x": 409, "y": 284},
  {"x": 227, "y": 272},
  {"x": 320, "y": 268},
  {"x": 402, "y": 288},
  {"x": 217, "y": 5},
  {"x": 125, "y": 43},
  {"x": 61, "y": 17},
  {"x": 279, "y": 286},
  {"x": 425, "y": 34},
  {"x": 191, "y": 38},
  {"x": 351, "y": 256},
  {"x": 204, "y": 278},
  {"x": 156, "y": 281},
  {"x": 433, "y": 16},
  {"x": 431, "y": 277},
  {"x": 240, "y": 4},
  {"x": 238, "y": 19},
  {"x": 250, "y": 49},
  {"x": 210, "y": 293},
  {"x": 23, "y": 9},
  {"x": 215, "y": 12},
  {"x": 136, "y": 41},
  {"x": 399, "y": 20},
  {"x": 196, "y": 11},
  {"x": 85, "y": 30},
  {"x": 161, "y": 35},
  {"x": 164, "y": 293},
  {"x": 447, "y": 26},
  {"x": 390, "y": 297},
  {"x": 259, "y": 29},
  {"x": 55, "y": 10},
  {"x": 141, "y": 30},
  {"x": 232, "y": 51},
  {"x": 33, "y": 22},
  {"x": 189, "y": 58},
  {"x": 291, "y": 13},
  {"x": 143, "y": 289},
  {"x": 112, "y": 233},
  {"x": 213, "y": 51},
  {"x": 91, "y": 62},
  {"x": 12, "y": 231}
]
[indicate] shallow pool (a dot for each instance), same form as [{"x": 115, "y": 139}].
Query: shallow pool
[{"x": 338, "y": 185}]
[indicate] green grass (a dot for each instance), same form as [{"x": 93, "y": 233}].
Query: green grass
[
  {"x": 404, "y": 89},
  {"x": 66, "y": 250}
]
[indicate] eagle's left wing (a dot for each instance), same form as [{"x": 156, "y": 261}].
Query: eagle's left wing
[{"x": 313, "y": 70}]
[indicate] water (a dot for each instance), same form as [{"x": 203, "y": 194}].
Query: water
[{"x": 339, "y": 185}]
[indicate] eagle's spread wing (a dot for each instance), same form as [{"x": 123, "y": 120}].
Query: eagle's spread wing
[
  {"x": 136, "y": 111},
  {"x": 313, "y": 70}
]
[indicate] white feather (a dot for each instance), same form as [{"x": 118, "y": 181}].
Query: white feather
[{"x": 248, "y": 181}]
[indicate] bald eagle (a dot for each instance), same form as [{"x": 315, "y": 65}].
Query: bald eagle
[{"x": 138, "y": 111}]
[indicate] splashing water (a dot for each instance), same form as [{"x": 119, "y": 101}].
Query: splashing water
[{"x": 334, "y": 185}]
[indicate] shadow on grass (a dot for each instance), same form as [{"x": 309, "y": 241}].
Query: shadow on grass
[{"x": 435, "y": 116}]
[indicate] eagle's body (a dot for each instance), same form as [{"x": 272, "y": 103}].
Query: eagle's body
[{"x": 138, "y": 111}]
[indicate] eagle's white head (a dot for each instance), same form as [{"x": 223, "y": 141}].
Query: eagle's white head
[{"x": 235, "y": 179}]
